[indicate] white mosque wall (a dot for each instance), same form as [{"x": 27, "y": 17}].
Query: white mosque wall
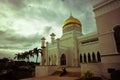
[
  {"x": 89, "y": 48},
  {"x": 111, "y": 58},
  {"x": 99, "y": 69},
  {"x": 107, "y": 17},
  {"x": 53, "y": 56},
  {"x": 41, "y": 71}
]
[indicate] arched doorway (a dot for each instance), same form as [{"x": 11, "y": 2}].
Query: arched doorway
[
  {"x": 85, "y": 58},
  {"x": 117, "y": 36},
  {"x": 81, "y": 58},
  {"x": 49, "y": 60},
  {"x": 55, "y": 59},
  {"x": 93, "y": 56},
  {"x": 89, "y": 58},
  {"x": 98, "y": 56},
  {"x": 63, "y": 59}
]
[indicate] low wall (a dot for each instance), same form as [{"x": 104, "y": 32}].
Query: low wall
[
  {"x": 44, "y": 70},
  {"x": 113, "y": 58},
  {"x": 95, "y": 68},
  {"x": 110, "y": 61},
  {"x": 100, "y": 69}
]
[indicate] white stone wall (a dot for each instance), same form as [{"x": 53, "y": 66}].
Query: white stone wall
[
  {"x": 106, "y": 7},
  {"x": 99, "y": 69},
  {"x": 68, "y": 41},
  {"x": 53, "y": 55},
  {"x": 45, "y": 70},
  {"x": 107, "y": 17}
]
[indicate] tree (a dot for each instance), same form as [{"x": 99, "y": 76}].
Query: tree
[
  {"x": 36, "y": 52},
  {"x": 31, "y": 53},
  {"x": 17, "y": 56},
  {"x": 26, "y": 55},
  {"x": 23, "y": 56},
  {"x": 40, "y": 51}
]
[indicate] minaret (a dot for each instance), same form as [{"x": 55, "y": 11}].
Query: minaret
[
  {"x": 52, "y": 37},
  {"x": 58, "y": 47},
  {"x": 43, "y": 50},
  {"x": 43, "y": 42},
  {"x": 47, "y": 59}
]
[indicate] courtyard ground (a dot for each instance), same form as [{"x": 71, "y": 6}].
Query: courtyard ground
[{"x": 52, "y": 78}]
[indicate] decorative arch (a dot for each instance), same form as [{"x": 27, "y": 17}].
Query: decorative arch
[
  {"x": 81, "y": 58},
  {"x": 89, "y": 58},
  {"x": 93, "y": 56},
  {"x": 55, "y": 59},
  {"x": 85, "y": 60},
  {"x": 52, "y": 59},
  {"x": 117, "y": 37},
  {"x": 98, "y": 56},
  {"x": 49, "y": 60},
  {"x": 63, "y": 59}
]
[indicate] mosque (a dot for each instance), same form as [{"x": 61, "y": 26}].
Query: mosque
[{"x": 97, "y": 51}]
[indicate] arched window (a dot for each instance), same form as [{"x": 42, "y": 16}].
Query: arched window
[
  {"x": 49, "y": 60},
  {"x": 81, "y": 58},
  {"x": 89, "y": 58},
  {"x": 98, "y": 56},
  {"x": 85, "y": 58},
  {"x": 63, "y": 59},
  {"x": 117, "y": 36},
  {"x": 93, "y": 56},
  {"x": 55, "y": 59},
  {"x": 52, "y": 59}
]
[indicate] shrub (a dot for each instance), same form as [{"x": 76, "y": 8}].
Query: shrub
[{"x": 89, "y": 76}]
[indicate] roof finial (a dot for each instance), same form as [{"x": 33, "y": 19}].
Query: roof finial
[{"x": 71, "y": 14}]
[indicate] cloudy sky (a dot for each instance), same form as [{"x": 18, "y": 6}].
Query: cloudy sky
[{"x": 24, "y": 22}]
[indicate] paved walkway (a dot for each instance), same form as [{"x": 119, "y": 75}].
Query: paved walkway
[{"x": 51, "y": 78}]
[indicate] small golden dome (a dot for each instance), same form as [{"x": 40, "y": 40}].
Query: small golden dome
[{"x": 71, "y": 20}]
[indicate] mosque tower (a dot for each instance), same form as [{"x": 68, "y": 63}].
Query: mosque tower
[{"x": 72, "y": 30}]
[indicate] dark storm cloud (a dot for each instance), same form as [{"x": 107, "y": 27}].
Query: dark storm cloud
[
  {"x": 1, "y": 33},
  {"x": 47, "y": 30},
  {"x": 82, "y": 9},
  {"x": 15, "y": 41},
  {"x": 44, "y": 15},
  {"x": 14, "y": 4},
  {"x": 3, "y": 55},
  {"x": 2, "y": 1},
  {"x": 17, "y": 3},
  {"x": 45, "y": 12}
]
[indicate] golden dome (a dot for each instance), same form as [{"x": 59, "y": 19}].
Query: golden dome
[{"x": 71, "y": 20}]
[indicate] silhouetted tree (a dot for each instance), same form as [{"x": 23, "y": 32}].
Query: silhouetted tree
[
  {"x": 31, "y": 53},
  {"x": 26, "y": 55},
  {"x": 36, "y": 52},
  {"x": 23, "y": 56},
  {"x": 40, "y": 51},
  {"x": 17, "y": 56}
]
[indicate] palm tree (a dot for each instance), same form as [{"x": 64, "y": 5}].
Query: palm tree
[
  {"x": 36, "y": 52},
  {"x": 23, "y": 56},
  {"x": 40, "y": 51},
  {"x": 26, "y": 55},
  {"x": 31, "y": 53},
  {"x": 17, "y": 56}
]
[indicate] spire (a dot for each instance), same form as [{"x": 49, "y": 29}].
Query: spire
[
  {"x": 43, "y": 42},
  {"x": 71, "y": 14},
  {"x": 52, "y": 37}
]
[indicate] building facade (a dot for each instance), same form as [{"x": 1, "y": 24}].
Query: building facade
[{"x": 100, "y": 50}]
